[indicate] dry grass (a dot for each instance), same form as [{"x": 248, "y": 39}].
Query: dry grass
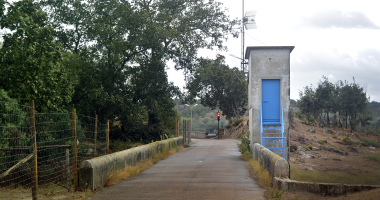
[
  {"x": 259, "y": 172},
  {"x": 334, "y": 177},
  {"x": 131, "y": 171},
  {"x": 373, "y": 156}
]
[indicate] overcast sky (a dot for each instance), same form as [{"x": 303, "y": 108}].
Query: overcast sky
[{"x": 336, "y": 38}]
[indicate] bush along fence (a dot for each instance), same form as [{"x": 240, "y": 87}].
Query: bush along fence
[
  {"x": 43, "y": 150},
  {"x": 40, "y": 153}
]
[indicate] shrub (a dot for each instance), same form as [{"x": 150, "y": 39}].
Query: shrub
[
  {"x": 237, "y": 121},
  {"x": 244, "y": 147},
  {"x": 373, "y": 156},
  {"x": 370, "y": 143}
]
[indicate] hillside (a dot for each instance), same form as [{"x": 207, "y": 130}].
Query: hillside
[{"x": 328, "y": 150}]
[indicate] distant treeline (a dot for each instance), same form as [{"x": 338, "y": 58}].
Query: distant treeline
[{"x": 341, "y": 104}]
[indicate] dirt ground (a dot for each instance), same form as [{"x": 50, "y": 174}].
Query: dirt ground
[
  {"x": 322, "y": 159},
  {"x": 237, "y": 132}
]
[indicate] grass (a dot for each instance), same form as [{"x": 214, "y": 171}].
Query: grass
[
  {"x": 259, "y": 172},
  {"x": 130, "y": 171},
  {"x": 119, "y": 145},
  {"x": 49, "y": 191},
  {"x": 373, "y": 156},
  {"x": 370, "y": 143},
  {"x": 334, "y": 177}
]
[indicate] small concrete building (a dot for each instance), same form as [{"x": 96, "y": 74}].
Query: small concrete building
[{"x": 269, "y": 97}]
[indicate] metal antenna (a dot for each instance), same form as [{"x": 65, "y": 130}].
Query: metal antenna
[
  {"x": 242, "y": 38},
  {"x": 247, "y": 21}
]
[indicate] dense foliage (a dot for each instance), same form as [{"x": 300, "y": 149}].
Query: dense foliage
[
  {"x": 204, "y": 119},
  {"x": 219, "y": 86},
  {"x": 107, "y": 57},
  {"x": 341, "y": 104}
]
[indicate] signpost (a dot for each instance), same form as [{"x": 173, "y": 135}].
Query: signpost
[{"x": 218, "y": 124}]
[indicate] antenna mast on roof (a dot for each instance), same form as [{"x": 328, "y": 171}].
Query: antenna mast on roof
[{"x": 247, "y": 21}]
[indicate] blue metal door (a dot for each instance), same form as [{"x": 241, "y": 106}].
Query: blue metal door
[{"x": 271, "y": 100}]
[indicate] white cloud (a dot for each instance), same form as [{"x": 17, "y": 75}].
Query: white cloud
[
  {"x": 342, "y": 42},
  {"x": 340, "y": 19}
]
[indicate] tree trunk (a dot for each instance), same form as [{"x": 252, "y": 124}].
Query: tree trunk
[
  {"x": 328, "y": 118},
  {"x": 152, "y": 116},
  {"x": 346, "y": 119}
]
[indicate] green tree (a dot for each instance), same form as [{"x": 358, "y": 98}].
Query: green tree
[
  {"x": 218, "y": 86},
  {"x": 124, "y": 46},
  {"x": 324, "y": 94},
  {"x": 31, "y": 58},
  {"x": 307, "y": 102}
]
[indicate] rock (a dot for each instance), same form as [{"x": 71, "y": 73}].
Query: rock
[
  {"x": 336, "y": 150},
  {"x": 89, "y": 151},
  {"x": 307, "y": 156},
  {"x": 292, "y": 159},
  {"x": 300, "y": 148},
  {"x": 327, "y": 130},
  {"x": 293, "y": 148},
  {"x": 347, "y": 140},
  {"x": 316, "y": 148},
  {"x": 311, "y": 130},
  {"x": 340, "y": 133},
  {"x": 301, "y": 153},
  {"x": 309, "y": 168},
  {"x": 301, "y": 139},
  {"x": 372, "y": 148}
]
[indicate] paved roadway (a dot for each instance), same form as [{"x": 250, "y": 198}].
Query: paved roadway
[{"x": 208, "y": 169}]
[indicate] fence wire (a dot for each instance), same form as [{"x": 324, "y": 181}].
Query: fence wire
[
  {"x": 14, "y": 146},
  {"x": 54, "y": 136}
]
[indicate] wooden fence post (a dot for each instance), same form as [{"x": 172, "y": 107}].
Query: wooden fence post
[
  {"x": 75, "y": 150},
  {"x": 108, "y": 137},
  {"x": 68, "y": 169},
  {"x": 176, "y": 128},
  {"x": 96, "y": 133},
  {"x": 184, "y": 132},
  {"x": 33, "y": 142},
  {"x": 189, "y": 131}
]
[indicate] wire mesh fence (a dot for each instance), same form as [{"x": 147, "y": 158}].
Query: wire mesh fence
[
  {"x": 14, "y": 147},
  {"x": 63, "y": 141}
]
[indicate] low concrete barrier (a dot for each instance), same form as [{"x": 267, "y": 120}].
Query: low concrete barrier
[
  {"x": 93, "y": 173},
  {"x": 198, "y": 135},
  {"x": 279, "y": 171},
  {"x": 277, "y": 166},
  {"x": 325, "y": 189}
]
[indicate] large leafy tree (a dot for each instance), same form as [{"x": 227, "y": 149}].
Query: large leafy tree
[
  {"x": 217, "y": 85},
  {"x": 124, "y": 46},
  {"x": 347, "y": 99},
  {"x": 30, "y": 58}
]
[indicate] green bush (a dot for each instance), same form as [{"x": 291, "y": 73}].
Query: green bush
[
  {"x": 370, "y": 143},
  {"x": 244, "y": 147},
  {"x": 237, "y": 121}
]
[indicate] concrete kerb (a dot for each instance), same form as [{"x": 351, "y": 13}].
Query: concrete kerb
[
  {"x": 93, "y": 173},
  {"x": 279, "y": 171},
  {"x": 325, "y": 189},
  {"x": 276, "y": 166},
  {"x": 198, "y": 135}
]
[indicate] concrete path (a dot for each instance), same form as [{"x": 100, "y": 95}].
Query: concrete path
[{"x": 209, "y": 169}]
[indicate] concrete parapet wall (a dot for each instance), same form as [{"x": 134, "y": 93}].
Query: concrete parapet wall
[
  {"x": 198, "y": 135},
  {"x": 325, "y": 189},
  {"x": 93, "y": 173},
  {"x": 277, "y": 166}
]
